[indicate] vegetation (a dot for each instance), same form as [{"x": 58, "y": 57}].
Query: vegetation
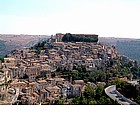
[
  {"x": 3, "y": 50},
  {"x": 2, "y": 59},
  {"x": 93, "y": 97},
  {"x": 72, "y": 38},
  {"x": 59, "y": 102},
  {"x": 39, "y": 46},
  {"x": 137, "y": 99},
  {"x": 125, "y": 88},
  {"x": 113, "y": 68},
  {"x": 111, "y": 74}
]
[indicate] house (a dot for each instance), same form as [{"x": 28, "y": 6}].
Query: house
[
  {"x": 43, "y": 95},
  {"x": 59, "y": 37},
  {"x": 32, "y": 72},
  {"x": 79, "y": 82},
  {"x": 41, "y": 84},
  {"x": 19, "y": 85},
  {"x": 90, "y": 64},
  {"x": 76, "y": 90},
  {"x": 53, "y": 90},
  {"x": 9, "y": 62},
  {"x": 65, "y": 89},
  {"x": 59, "y": 80}
]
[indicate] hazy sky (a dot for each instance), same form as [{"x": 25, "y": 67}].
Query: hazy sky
[{"x": 114, "y": 18}]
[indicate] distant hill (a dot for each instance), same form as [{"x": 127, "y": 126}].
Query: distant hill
[
  {"x": 3, "y": 50},
  {"x": 126, "y": 46},
  {"x": 11, "y": 42}
]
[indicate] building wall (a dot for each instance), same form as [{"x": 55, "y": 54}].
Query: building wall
[{"x": 59, "y": 37}]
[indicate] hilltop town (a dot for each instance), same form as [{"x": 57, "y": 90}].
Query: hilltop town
[{"x": 44, "y": 73}]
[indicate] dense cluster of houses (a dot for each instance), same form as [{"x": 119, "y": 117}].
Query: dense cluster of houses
[{"x": 21, "y": 72}]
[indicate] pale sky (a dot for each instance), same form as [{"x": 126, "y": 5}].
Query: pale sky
[{"x": 107, "y": 18}]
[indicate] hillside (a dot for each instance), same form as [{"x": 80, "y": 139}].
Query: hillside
[
  {"x": 129, "y": 47},
  {"x": 11, "y": 42},
  {"x": 2, "y": 47}
]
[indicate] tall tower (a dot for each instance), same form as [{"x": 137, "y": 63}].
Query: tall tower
[{"x": 59, "y": 37}]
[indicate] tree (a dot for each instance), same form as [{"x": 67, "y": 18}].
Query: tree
[
  {"x": 59, "y": 102},
  {"x": 89, "y": 92},
  {"x": 2, "y": 59},
  {"x": 137, "y": 99},
  {"x": 99, "y": 91},
  {"x": 73, "y": 38},
  {"x": 92, "y": 102},
  {"x": 125, "y": 88},
  {"x": 67, "y": 37}
]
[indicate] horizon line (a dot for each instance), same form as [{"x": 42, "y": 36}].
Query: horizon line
[{"x": 56, "y": 33}]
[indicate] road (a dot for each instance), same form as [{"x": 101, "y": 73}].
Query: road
[{"x": 116, "y": 96}]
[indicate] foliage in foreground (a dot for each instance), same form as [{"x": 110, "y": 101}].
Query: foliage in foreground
[{"x": 93, "y": 97}]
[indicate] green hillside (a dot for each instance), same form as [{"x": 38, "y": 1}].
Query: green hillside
[
  {"x": 129, "y": 48},
  {"x": 3, "y": 50}
]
